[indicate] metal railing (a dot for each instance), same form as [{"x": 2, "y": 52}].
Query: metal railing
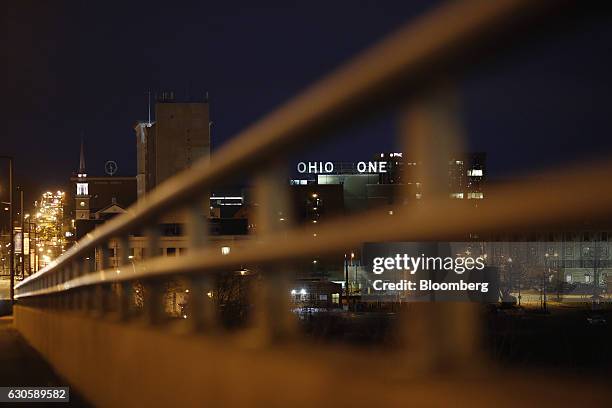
[
  {"x": 411, "y": 71},
  {"x": 392, "y": 71}
]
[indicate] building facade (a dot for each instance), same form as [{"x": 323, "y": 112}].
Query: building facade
[{"x": 179, "y": 136}]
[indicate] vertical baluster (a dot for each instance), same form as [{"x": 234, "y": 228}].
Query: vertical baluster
[
  {"x": 273, "y": 317},
  {"x": 125, "y": 287},
  {"x": 445, "y": 334},
  {"x": 67, "y": 295},
  {"x": 201, "y": 309},
  {"x": 153, "y": 288},
  {"x": 82, "y": 293},
  {"x": 99, "y": 291}
]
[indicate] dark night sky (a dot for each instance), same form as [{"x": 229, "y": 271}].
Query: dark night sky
[{"x": 78, "y": 66}]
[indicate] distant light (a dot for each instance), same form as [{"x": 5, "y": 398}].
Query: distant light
[
  {"x": 210, "y": 294},
  {"x": 303, "y": 292},
  {"x": 225, "y": 250},
  {"x": 131, "y": 257},
  {"x": 314, "y": 195},
  {"x": 186, "y": 290},
  {"x": 184, "y": 316},
  {"x": 314, "y": 262},
  {"x": 118, "y": 271},
  {"x": 390, "y": 212}
]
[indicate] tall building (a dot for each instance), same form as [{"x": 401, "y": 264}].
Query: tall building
[
  {"x": 466, "y": 176},
  {"x": 392, "y": 176},
  {"x": 179, "y": 136}
]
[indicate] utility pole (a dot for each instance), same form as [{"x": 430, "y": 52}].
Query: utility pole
[
  {"x": 11, "y": 252},
  {"x": 22, "y": 219},
  {"x": 346, "y": 281}
]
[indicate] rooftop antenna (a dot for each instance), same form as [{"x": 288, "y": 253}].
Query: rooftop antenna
[
  {"x": 82, "y": 158},
  {"x": 149, "y": 106}
]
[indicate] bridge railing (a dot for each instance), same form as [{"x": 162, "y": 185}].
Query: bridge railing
[{"x": 411, "y": 72}]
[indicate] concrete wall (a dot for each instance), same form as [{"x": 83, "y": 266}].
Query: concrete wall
[{"x": 120, "y": 365}]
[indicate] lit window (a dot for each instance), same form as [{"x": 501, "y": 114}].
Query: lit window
[
  {"x": 475, "y": 196},
  {"x": 82, "y": 188},
  {"x": 225, "y": 250},
  {"x": 456, "y": 195},
  {"x": 475, "y": 172},
  {"x": 82, "y": 203}
]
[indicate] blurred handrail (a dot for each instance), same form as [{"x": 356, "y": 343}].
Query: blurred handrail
[{"x": 524, "y": 204}]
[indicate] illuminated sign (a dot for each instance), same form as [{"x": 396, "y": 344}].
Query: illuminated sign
[{"x": 328, "y": 167}]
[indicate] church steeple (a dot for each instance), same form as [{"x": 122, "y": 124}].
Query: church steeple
[
  {"x": 82, "y": 160},
  {"x": 82, "y": 189}
]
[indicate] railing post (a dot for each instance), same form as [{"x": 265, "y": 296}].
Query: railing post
[
  {"x": 125, "y": 287},
  {"x": 153, "y": 288},
  {"x": 273, "y": 318},
  {"x": 444, "y": 335},
  {"x": 201, "y": 311},
  {"x": 99, "y": 291}
]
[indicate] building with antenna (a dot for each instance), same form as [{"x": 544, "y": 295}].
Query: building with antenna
[{"x": 177, "y": 137}]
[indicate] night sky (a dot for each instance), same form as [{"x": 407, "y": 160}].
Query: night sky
[{"x": 79, "y": 67}]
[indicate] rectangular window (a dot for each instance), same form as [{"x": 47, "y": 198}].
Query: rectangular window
[
  {"x": 171, "y": 251},
  {"x": 82, "y": 189}
]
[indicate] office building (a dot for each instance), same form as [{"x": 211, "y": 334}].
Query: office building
[{"x": 178, "y": 137}]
